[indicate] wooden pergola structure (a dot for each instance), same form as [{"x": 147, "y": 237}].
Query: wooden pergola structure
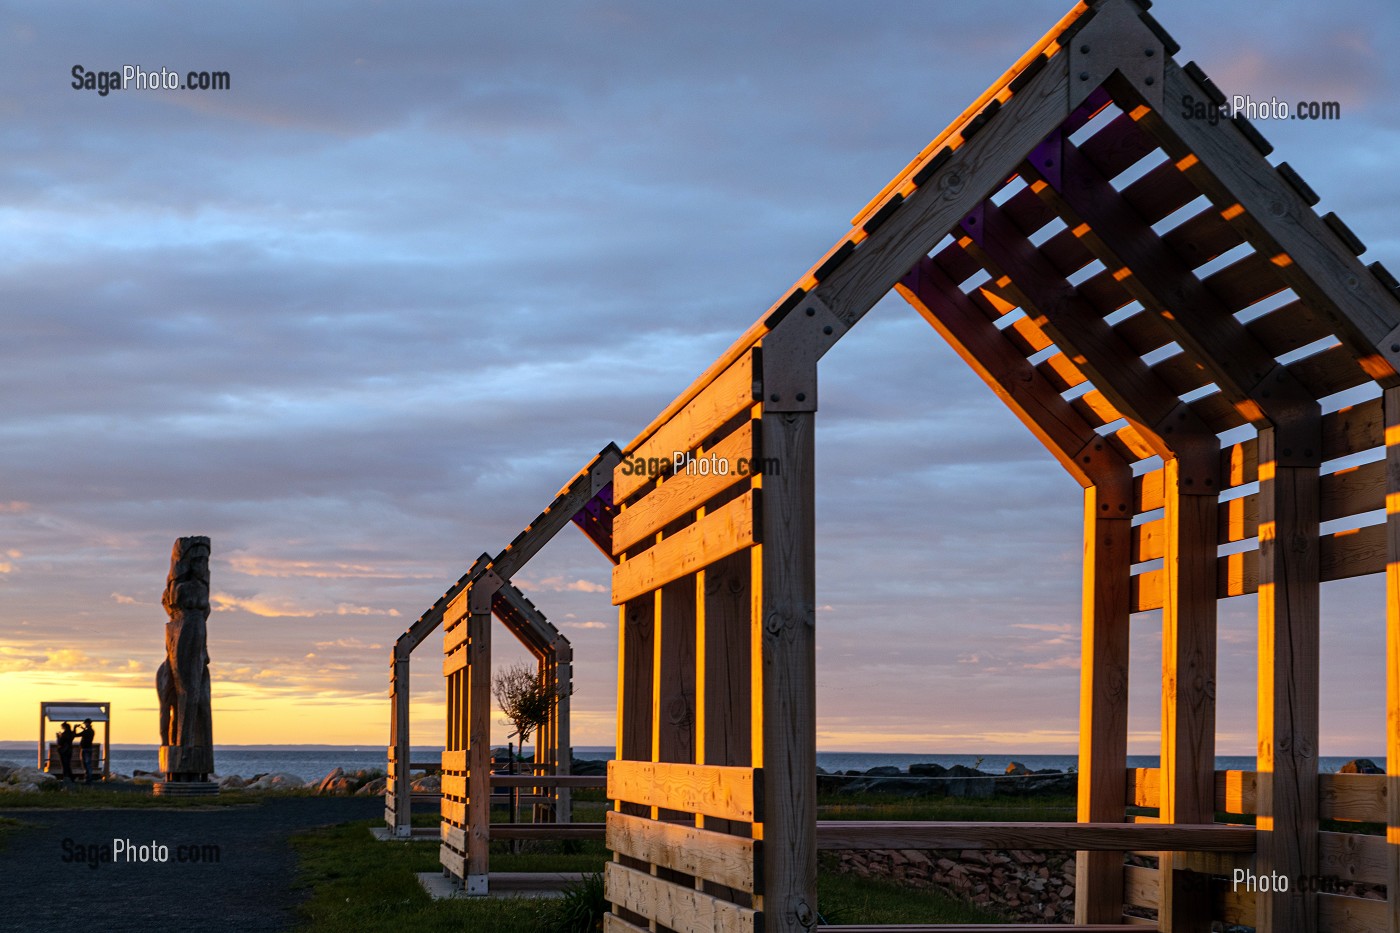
[
  {"x": 1163, "y": 308},
  {"x": 464, "y": 612}
]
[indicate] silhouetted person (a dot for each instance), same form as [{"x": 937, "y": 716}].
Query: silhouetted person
[
  {"x": 85, "y": 746},
  {"x": 66, "y": 735}
]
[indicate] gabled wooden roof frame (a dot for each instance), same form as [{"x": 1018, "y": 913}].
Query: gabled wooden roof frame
[
  {"x": 584, "y": 500},
  {"x": 1229, "y": 372}
]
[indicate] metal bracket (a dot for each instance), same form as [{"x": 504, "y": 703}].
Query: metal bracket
[
  {"x": 476, "y": 885},
  {"x": 482, "y": 590},
  {"x": 790, "y": 354},
  {"x": 1116, "y": 39}
]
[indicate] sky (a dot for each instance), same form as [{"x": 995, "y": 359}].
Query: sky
[{"x": 360, "y": 315}]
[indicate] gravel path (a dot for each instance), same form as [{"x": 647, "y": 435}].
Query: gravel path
[{"x": 248, "y": 889}]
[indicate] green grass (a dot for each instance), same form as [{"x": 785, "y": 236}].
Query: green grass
[{"x": 358, "y": 883}]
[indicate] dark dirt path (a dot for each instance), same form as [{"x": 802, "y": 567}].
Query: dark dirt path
[{"x": 249, "y": 888}]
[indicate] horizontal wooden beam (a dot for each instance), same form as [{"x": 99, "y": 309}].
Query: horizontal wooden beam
[
  {"x": 1345, "y": 554},
  {"x": 548, "y": 780},
  {"x": 732, "y": 861},
  {"x": 1086, "y": 837},
  {"x": 730, "y": 393},
  {"x": 686, "y": 491},
  {"x": 727, "y": 793},
  {"x": 726, "y": 530},
  {"x": 678, "y": 908}
]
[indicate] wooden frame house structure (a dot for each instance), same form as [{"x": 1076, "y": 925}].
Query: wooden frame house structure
[
  {"x": 464, "y": 612},
  {"x": 1057, "y": 235}
]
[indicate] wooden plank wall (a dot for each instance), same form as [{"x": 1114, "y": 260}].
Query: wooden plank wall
[
  {"x": 1342, "y": 857},
  {"x": 452, "y": 851},
  {"x": 696, "y": 713}
]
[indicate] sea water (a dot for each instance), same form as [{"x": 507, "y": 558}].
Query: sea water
[{"x": 310, "y": 762}]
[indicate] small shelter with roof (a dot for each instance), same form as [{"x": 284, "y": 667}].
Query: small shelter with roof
[{"x": 74, "y": 711}]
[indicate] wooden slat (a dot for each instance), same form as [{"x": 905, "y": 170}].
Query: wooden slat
[
  {"x": 1320, "y": 269},
  {"x": 723, "y": 859},
  {"x": 548, "y": 780},
  {"x": 454, "y": 811},
  {"x": 1234, "y": 790},
  {"x": 1031, "y": 394},
  {"x": 1183, "y": 837},
  {"x": 730, "y": 393},
  {"x": 678, "y": 495},
  {"x": 454, "y": 663},
  {"x": 1199, "y": 239},
  {"x": 1344, "y": 554},
  {"x": 1329, "y": 372},
  {"x": 454, "y": 760},
  {"x": 684, "y": 910},
  {"x": 1337, "y": 913},
  {"x": 454, "y": 637},
  {"x": 1353, "y": 553},
  {"x": 726, "y": 530},
  {"x": 1244, "y": 282},
  {"x": 725, "y": 792},
  {"x": 1359, "y": 797},
  {"x": 454, "y": 862},
  {"x": 612, "y": 923},
  {"x": 1353, "y": 857},
  {"x": 1353, "y": 490},
  {"x": 1352, "y": 429},
  {"x": 1140, "y": 886},
  {"x": 1288, "y": 328}
]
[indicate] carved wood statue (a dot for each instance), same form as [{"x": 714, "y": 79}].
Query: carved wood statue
[{"x": 182, "y": 682}]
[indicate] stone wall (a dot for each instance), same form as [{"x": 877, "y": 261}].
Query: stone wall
[{"x": 1025, "y": 886}]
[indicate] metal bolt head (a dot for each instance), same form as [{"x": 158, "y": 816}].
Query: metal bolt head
[
  {"x": 773, "y": 397},
  {"x": 1083, "y": 76},
  {"x": 811, "y": 312},
  {"x": 1084, "y": 49},
  {"x": 826, "y": 329},
  {"x": 802, "y": 396},
  {"x": 1149, "y": 81}
]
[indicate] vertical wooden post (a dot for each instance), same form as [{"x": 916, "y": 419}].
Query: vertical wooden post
[
  {"x": 1288, "y": 672},
  {"x": 1103, "y": 693},
  {"x": 1392, "y": 652},
  {"x": 478, "y": 742},
  {"x": 564, "y": 682},
  {"x": 1188, "y": 681},
  {"x": 400, "y": 809},
  {"x": 789, "y": 671}
]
